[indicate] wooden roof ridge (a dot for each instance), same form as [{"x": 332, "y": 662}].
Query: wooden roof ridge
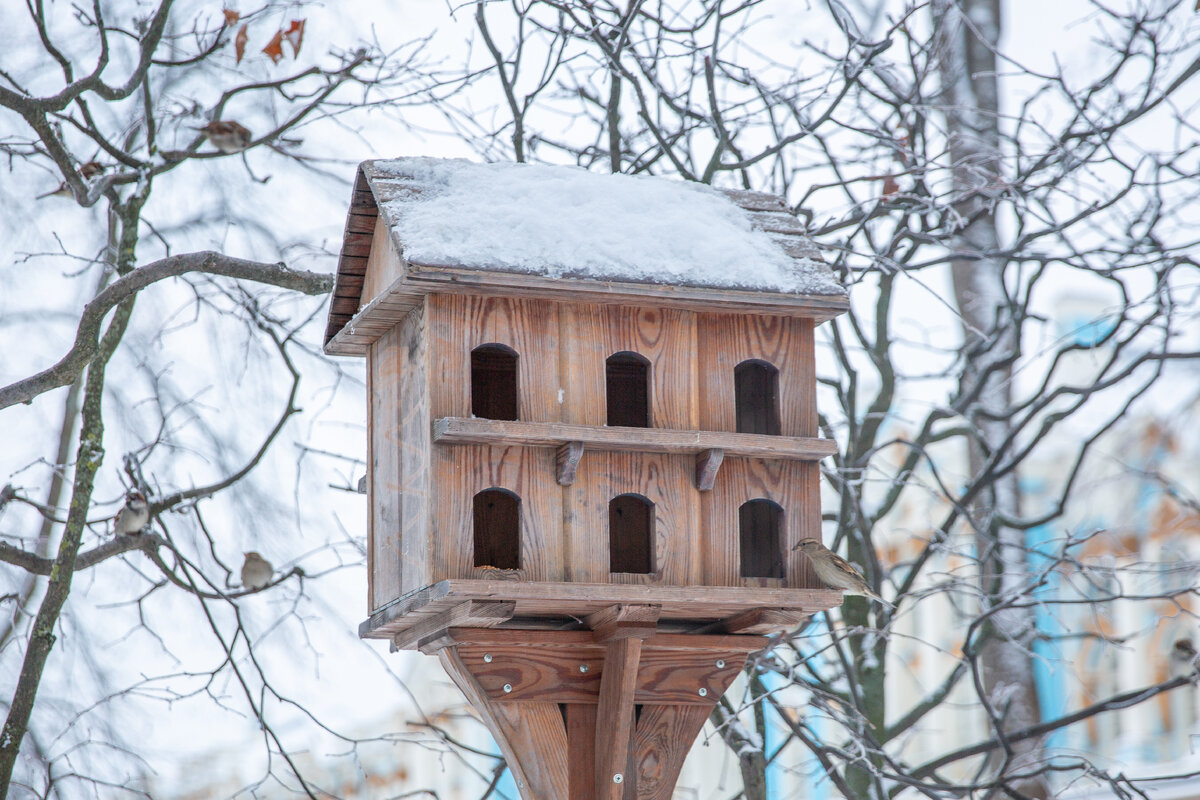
[{"x": 353, "y": 323}]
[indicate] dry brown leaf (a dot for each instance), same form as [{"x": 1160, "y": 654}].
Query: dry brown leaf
[
  {"x": 890, "y": 187},
  {"x": 295, "y": 35},
  {"x": 231, "y": 16},
  {"x": 239, "y": 41},
  {"x": 274, "y": 48}
]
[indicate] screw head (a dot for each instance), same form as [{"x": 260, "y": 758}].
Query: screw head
[
  {"x": 720, "y": 663},
  {"x": 583, "y": 667},
  {"x": 487, "y": 658},
  {"x": 618, "y": 778},
  {"x": 507, "y": 688},
  {"x": 703, "y": 692}
]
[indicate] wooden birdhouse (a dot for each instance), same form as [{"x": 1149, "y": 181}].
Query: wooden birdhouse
[{"x": 592, "y": 446}]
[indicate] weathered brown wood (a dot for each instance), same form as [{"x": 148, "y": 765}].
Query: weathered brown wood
[
  {"x": 662, "y": 740},
  {"x": 708, "y": 462},
  {"x": 460, "y": 473},
  {"x": 409, "y": 436},
  {"x": 471, "y": 614},
  {"x": 664, "y": 480},
  {"x": 581, "y": 640},
  {"x": 755, "y": 201},
  {"x": 744, "y": 479},
  {"x": 384, "y": 265},
  {"x": 624, "y": 621},
  {"x": 532, "y": 736},
  {"x": 571, "y": 602},
  {"x": 384, "y": 523},
  {"x": 581, "y": 739},
  {"x": 566, "y": 462},
  {"x": 530, "y": 328},
  {"x": 614, "y": 716},
  {"x": 468, "y": 430},
  {"x": 764, "y": 620}
]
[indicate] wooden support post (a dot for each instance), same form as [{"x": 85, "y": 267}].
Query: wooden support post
[
  {"x": 566, "y": 460},
  {"x": 664, "y": 736},
  {"x": 707, "y": 464},
  {"x": 614, "y": 716}
]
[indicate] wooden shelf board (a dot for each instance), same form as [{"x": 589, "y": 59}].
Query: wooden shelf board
[
  {"x": 547, "y": 601},
  {"x": 470, "y": 430}
]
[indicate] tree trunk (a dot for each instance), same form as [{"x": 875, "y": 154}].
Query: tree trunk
[{"x": 966, "y": 36}]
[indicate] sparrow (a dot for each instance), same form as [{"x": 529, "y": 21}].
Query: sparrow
[
  {"x": 227, "y": 135},
  {"x": 256, "y": 571},
  {"x": 835, "y": 572},
  {"x": 133, "y": 516},
  {"x": 1184, "y": 659},
  {"x": 88, "y": 171}
]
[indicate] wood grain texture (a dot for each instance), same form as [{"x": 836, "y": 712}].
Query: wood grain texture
[
  {"x": 726, "y": 340},
  {"x": 460, "y": 323},
  {"x": 414, "y": 445},
  {"x": 385, "y": 485},
  {"x": 614, "y": 715},
  {"x": 662, "y": 740},
  {"x": 384, "y": 266},
  {"x": 581, "y": 738},
  {"x": 566, "y": 460},
  {"x": 708, "y": 463},
  {"x": 666, "y": 481},
  {"x": 459, "y": 473},
  {"x": 550, "y": 606},
  {"x": 792, "y": 485},
  {"x": 469, "y": 430},
  {"x": 764, "y": 620},
  {"x": 589, "y": 334},
  {"x": 532, "y": 736},
  {"x": 471, "y": 614}
]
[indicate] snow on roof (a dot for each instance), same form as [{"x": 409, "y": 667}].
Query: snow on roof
[{"x": 567, "y": 222}]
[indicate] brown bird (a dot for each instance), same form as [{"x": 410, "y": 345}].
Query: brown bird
[
  {"x": 256, "y": 571},
  {"x": 835, "y": 572},
  {"x": 227, "y": 135},
  {"x": 88, "y": 171},
  {"x": 133, "y": 516}
]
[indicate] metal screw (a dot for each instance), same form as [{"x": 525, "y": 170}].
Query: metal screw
[
  {"x": 618, "y": 778},
  {"x": 583, "y": 667},
  {"x": 720, "y": 663},
  {"x": 507, "y": 688},
  {"x": 703, "y": 692},
  {"x": 487, "y": 658}
]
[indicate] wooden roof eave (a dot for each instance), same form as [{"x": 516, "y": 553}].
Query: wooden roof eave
[{"x": 351, "y": 328}]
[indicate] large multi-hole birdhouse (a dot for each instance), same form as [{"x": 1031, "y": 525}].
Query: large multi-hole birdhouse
[{"x": 593, "y": 446}]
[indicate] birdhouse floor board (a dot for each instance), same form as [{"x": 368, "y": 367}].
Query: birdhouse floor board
[
  {"x": 558, "y": 603},
  {"x": 470, "y": 430}
]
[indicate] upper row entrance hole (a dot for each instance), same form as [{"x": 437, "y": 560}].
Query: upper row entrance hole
[
  {"x": 627, "y": 385},
  {"x": 494, "y": 382}
]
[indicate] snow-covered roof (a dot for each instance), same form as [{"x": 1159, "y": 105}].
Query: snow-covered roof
[{"x": 556, "y": 222}]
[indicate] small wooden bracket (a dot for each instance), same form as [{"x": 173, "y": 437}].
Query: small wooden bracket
[
  {"x": 429, "y": 634},
  {"x": 624, "y": 622},
  {"x": 566, "y": 460},
  {"x": 708, "y": 462}
]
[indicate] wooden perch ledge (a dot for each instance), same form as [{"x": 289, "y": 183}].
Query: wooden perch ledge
[{"x": 470, "y": 430}]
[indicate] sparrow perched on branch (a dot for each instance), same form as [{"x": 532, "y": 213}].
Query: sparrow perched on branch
[
  {"x": 256, "y": 571},
  {"x": 133, "y": 516},
  {"x": 835, "y": 572},
  {"x": 227, "y": 135}
]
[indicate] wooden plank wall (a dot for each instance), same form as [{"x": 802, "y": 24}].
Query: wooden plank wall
[
  {"x": 665, "y": 480},
  {"x": 460, "y": 472},
  {"x": 460, "y": 323},
  {"x": 564, "y": 346}
]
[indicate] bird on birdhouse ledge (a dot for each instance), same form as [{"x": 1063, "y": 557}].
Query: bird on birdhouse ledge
[
  {"x": 226, "y": 135},
  {"x": 835, "y": 572}
]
